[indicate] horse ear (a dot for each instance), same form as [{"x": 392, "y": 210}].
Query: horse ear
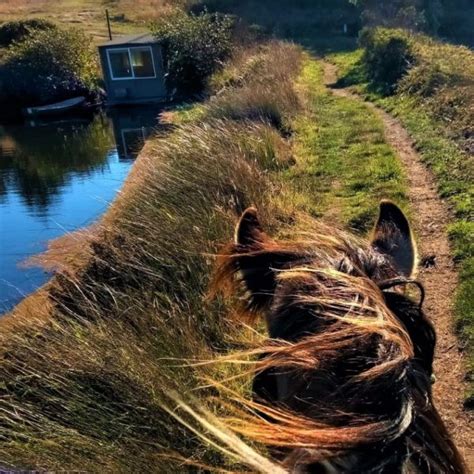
[
  {"x": 249, "y": 232},
  {"x": 392, "y": 236},
  {"x": 255, "y": 261}
]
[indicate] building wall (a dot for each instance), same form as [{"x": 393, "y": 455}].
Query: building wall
[{"x": 131, "y": 90}]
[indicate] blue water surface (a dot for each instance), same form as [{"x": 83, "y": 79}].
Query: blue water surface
[{"x": 56, "y": 177}]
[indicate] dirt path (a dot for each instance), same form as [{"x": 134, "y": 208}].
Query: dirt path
[{"x": 431, "y": 216}]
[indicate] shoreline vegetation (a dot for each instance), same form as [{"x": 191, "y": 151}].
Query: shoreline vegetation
[
  {"x": 41, "y": 63},
  {"x": 91, "y": 379}
]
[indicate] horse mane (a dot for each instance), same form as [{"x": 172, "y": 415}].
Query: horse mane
[{"x": 384, "y": 407}]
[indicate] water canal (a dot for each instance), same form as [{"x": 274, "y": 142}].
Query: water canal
[{"x": 56, "y": 177}]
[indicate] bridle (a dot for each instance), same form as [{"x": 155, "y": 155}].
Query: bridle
[
  {"x": 393, "y": 282},
  {"x": 400, "y": 281}
]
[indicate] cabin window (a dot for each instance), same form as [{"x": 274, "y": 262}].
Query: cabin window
[
  {"x": 142, "y": 62},
  {"x": 120, "y": 67},
  {"x": 131, "y": 63}
]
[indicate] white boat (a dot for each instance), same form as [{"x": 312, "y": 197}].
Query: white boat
[{"x": 57, "y": 108}]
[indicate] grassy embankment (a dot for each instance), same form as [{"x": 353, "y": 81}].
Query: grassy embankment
[
  {"x": 86, "y": 385},
  {"x": 434, "y": 100}
]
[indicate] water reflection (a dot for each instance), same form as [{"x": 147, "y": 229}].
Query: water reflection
[
  {"x": 131, "y": 130},
  {"x": 56, "y": 177},
  {"x": 39, "y": 160}
]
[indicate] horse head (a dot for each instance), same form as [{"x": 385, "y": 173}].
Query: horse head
[{"x": 344, "y": 384}]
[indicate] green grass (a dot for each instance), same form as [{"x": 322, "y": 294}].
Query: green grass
[
  {"x": 453, "y": 169},
  {"x": 344, "y": 166}
]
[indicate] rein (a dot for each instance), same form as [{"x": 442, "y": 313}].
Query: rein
[{"x": 393, "y": 282}]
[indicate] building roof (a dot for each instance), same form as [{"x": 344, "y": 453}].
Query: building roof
[{"x": 142, "y": 38}]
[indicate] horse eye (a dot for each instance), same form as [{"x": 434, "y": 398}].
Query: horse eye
[{"x": 433, "y": 379}]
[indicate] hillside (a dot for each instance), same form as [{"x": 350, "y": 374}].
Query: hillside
[{"x": 89, "y": 15}]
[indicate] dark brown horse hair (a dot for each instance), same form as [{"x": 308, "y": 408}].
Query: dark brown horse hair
[{"x": 356, "y": 357}]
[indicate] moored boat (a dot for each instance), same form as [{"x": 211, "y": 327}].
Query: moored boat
[{"x": 58, "y": 108}]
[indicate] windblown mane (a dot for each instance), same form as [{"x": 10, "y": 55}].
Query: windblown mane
[{"x": 344, "y": 382}]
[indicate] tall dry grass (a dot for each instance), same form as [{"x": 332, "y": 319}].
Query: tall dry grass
[
  {"x": 95, "y": 386},
  {"x": 128, "y": 16},
  {"x": 149, "y": 10},
  {"x": 255, "y": 87}
]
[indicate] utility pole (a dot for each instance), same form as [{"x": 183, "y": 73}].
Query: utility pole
[{"x": 108, "y": 23}]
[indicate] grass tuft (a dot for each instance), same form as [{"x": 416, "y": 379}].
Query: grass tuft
[{"x": 259, "y": 91}]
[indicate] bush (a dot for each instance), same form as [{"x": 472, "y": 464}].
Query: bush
[
  {"x": 437, "y": 75},
  {"x": 306, "y": 20},
  {"x": 12, "y": 31},
  {"x": 195, "y": 46},
  {"x": 387, "y": 57},
  {"x": 48, "y": 66},
  {"x": 442, "y": 78}
]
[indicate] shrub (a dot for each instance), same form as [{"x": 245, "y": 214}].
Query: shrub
[
  {"x": 48, "y": 66},
  {"x": 195, "y": 46},
  {"x": 437, "y": 75},
  {"x": 442, "y": 78},
  {"x": 387, "y": 57},
  {"x": 12, "y": 31},
  {"x": 308, "y": 20}
]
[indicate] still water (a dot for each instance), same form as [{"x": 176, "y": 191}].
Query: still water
[{"x": 56, "y": 177}]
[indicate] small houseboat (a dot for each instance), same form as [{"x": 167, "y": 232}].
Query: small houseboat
[{"x": 133, "y": 70}]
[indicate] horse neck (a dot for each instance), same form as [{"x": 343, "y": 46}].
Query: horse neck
[{"x": 433, "y": 447}]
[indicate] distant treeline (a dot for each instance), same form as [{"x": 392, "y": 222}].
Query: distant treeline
[{"x": 452, "y": 19}]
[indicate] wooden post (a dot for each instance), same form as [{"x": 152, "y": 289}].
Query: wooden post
[{"x": 108, "y": 23}]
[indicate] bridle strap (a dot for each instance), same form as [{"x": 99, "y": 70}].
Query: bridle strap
[{"x": 392, "y": 282}]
